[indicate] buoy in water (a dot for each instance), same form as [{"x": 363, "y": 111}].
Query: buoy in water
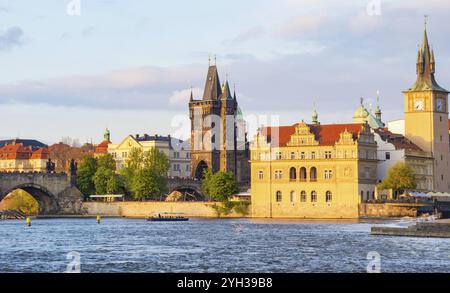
[
  {"x": 98, "y": 219},
  {"x": 28, "y": 220}
]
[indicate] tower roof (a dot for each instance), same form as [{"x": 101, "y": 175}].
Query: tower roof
[
  {"x": 226, "y": 94},
  {"x": 425, "y": 68},
  {"x": 213, "y": 90},
  {"x": 361, "y": 112}
]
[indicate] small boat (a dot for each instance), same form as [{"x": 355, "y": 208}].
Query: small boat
[{"x": 167, "y": 217}]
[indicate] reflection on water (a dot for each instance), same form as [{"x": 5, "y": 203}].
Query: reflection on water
[{"x": 128, "y": 245}]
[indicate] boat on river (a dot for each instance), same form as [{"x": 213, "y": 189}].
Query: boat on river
[{"x": 167, "y": 217}]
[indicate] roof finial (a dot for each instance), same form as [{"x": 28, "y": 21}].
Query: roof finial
[
  {"x": 215, "y": 60},
  {"x": 425, "y": 21},
  {"x": 209, "y": 59},
  {"x": 362, "y": 101},
  {"x": 315, "y": 116}
]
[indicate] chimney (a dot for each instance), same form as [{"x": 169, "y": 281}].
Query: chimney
[{"x": 137, "y": 136}]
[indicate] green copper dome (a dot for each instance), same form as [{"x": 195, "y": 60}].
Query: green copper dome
[{"x": 361, "y": 113}]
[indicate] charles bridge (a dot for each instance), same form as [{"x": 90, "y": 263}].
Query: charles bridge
[{"x": 57, "y": 193}]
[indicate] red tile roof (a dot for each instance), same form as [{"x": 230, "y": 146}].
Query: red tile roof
[
  {"x": 398, "y": 140},
  {"x": 102, "y": 148},
  {"x": 42, "y": 153},
  {"x": 15, "y": 151},
  {"x": 325, "y": 134}
]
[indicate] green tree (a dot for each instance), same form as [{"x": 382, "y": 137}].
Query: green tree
[
  {"x": 133, "y": 164},
  {"x": 400, "y": 177},
  {"x": 115, "y": 185},
  {"x": 101, "y": 179},
  {"x": 85, "y": 173},
  {"x": 208, "y": 176},
  {"x": 106, "y": 161},
  {"x": 105, "y": 179},
  {"x": 145, "y": 185},
  {"x": 219, "y": 186},
  {"x": 145, "y": 174}
]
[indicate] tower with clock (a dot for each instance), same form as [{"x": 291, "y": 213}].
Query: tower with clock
[{"x": 426, "y": 115}]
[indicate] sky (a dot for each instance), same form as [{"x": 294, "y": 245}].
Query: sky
[{"x": 69, "y": 70}]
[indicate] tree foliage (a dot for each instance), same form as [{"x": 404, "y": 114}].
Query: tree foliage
[
  {"x": 85, "y": 173},
  {"x": 145, "y": 174},
  {"x": 400, "y": 177},
  {"x": 219, "y": 186}
]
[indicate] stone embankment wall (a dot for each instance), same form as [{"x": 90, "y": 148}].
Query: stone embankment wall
[
  {"x": 145, "y": 209},
  {"x": 387, "y": 210}
]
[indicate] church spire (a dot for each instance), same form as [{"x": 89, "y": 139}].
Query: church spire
[
  {"x": 213, "y": 90},
  {"x": 426, "y": 66},
  {"x": 315, "y": 115},
  {"x": 107, "y": 135},
  {"x": 378, "y": 109},
  {"x": 226, "y": 93}
]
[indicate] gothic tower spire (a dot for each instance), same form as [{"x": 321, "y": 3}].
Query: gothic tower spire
[
  {"x": 426, "y": 67},
  {"x": 213, "y": 90}
]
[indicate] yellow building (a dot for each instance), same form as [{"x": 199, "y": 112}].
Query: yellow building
[
  {"x": 312, "y": 171},
  {"x": 178, "y": 152}
]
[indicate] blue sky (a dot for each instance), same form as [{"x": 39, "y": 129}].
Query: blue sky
[{"x": 128, "y": 65}]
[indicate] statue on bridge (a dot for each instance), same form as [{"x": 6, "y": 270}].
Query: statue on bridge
[
  {"x": 73, "y": 167},
  {"x": 50, "y": 166}
]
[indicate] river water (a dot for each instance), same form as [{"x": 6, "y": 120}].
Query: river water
[{"x": 131, "y": 245}]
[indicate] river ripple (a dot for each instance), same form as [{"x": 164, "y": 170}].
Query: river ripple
[{"x": 129, "y": 245}]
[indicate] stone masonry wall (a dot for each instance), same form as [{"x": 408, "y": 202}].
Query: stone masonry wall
[{"x": 146, "y": 209}]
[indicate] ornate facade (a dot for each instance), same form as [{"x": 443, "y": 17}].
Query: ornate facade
[
  {"x": 218, "y": 138},
  {"x": 312, "y": 170}
]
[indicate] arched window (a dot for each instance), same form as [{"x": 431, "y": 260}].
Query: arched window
[
  {"x": 293, "y": 174},
  {"x": 292, "y": 196},
  {"x": 303, "y": 174},
  {"x": 313, "y": 196},
  {"x": 362, "y": 196},
  {"x": 303, "y": 196},
  {"x": 329, "y": 196},
  {"x": 313, "y": 174},
  {"x": 368, "y": 195},
  {"x": 279, "y": 196}
]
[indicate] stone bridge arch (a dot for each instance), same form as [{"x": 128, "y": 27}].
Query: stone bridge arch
[
  {"x": 192, "y": 187},
  {"x": 55, "y": 193},
  {"x": 47, "y": 201}
]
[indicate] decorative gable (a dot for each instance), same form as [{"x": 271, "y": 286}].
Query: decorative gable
[
  {"x": 346, "y": 138},
  {"x": 303, "y": 136}
]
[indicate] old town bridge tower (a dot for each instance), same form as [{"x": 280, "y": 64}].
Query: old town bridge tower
[{"x": 218, "y": 137}]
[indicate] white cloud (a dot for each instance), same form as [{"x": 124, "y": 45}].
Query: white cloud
[
  {"x": 129, "y": 88},
  {"x": 181, "y": 98}
]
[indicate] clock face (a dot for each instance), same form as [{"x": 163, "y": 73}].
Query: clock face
[
  {"x": 419, "y": 105},
  {"x": 440, "y": 105}
]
